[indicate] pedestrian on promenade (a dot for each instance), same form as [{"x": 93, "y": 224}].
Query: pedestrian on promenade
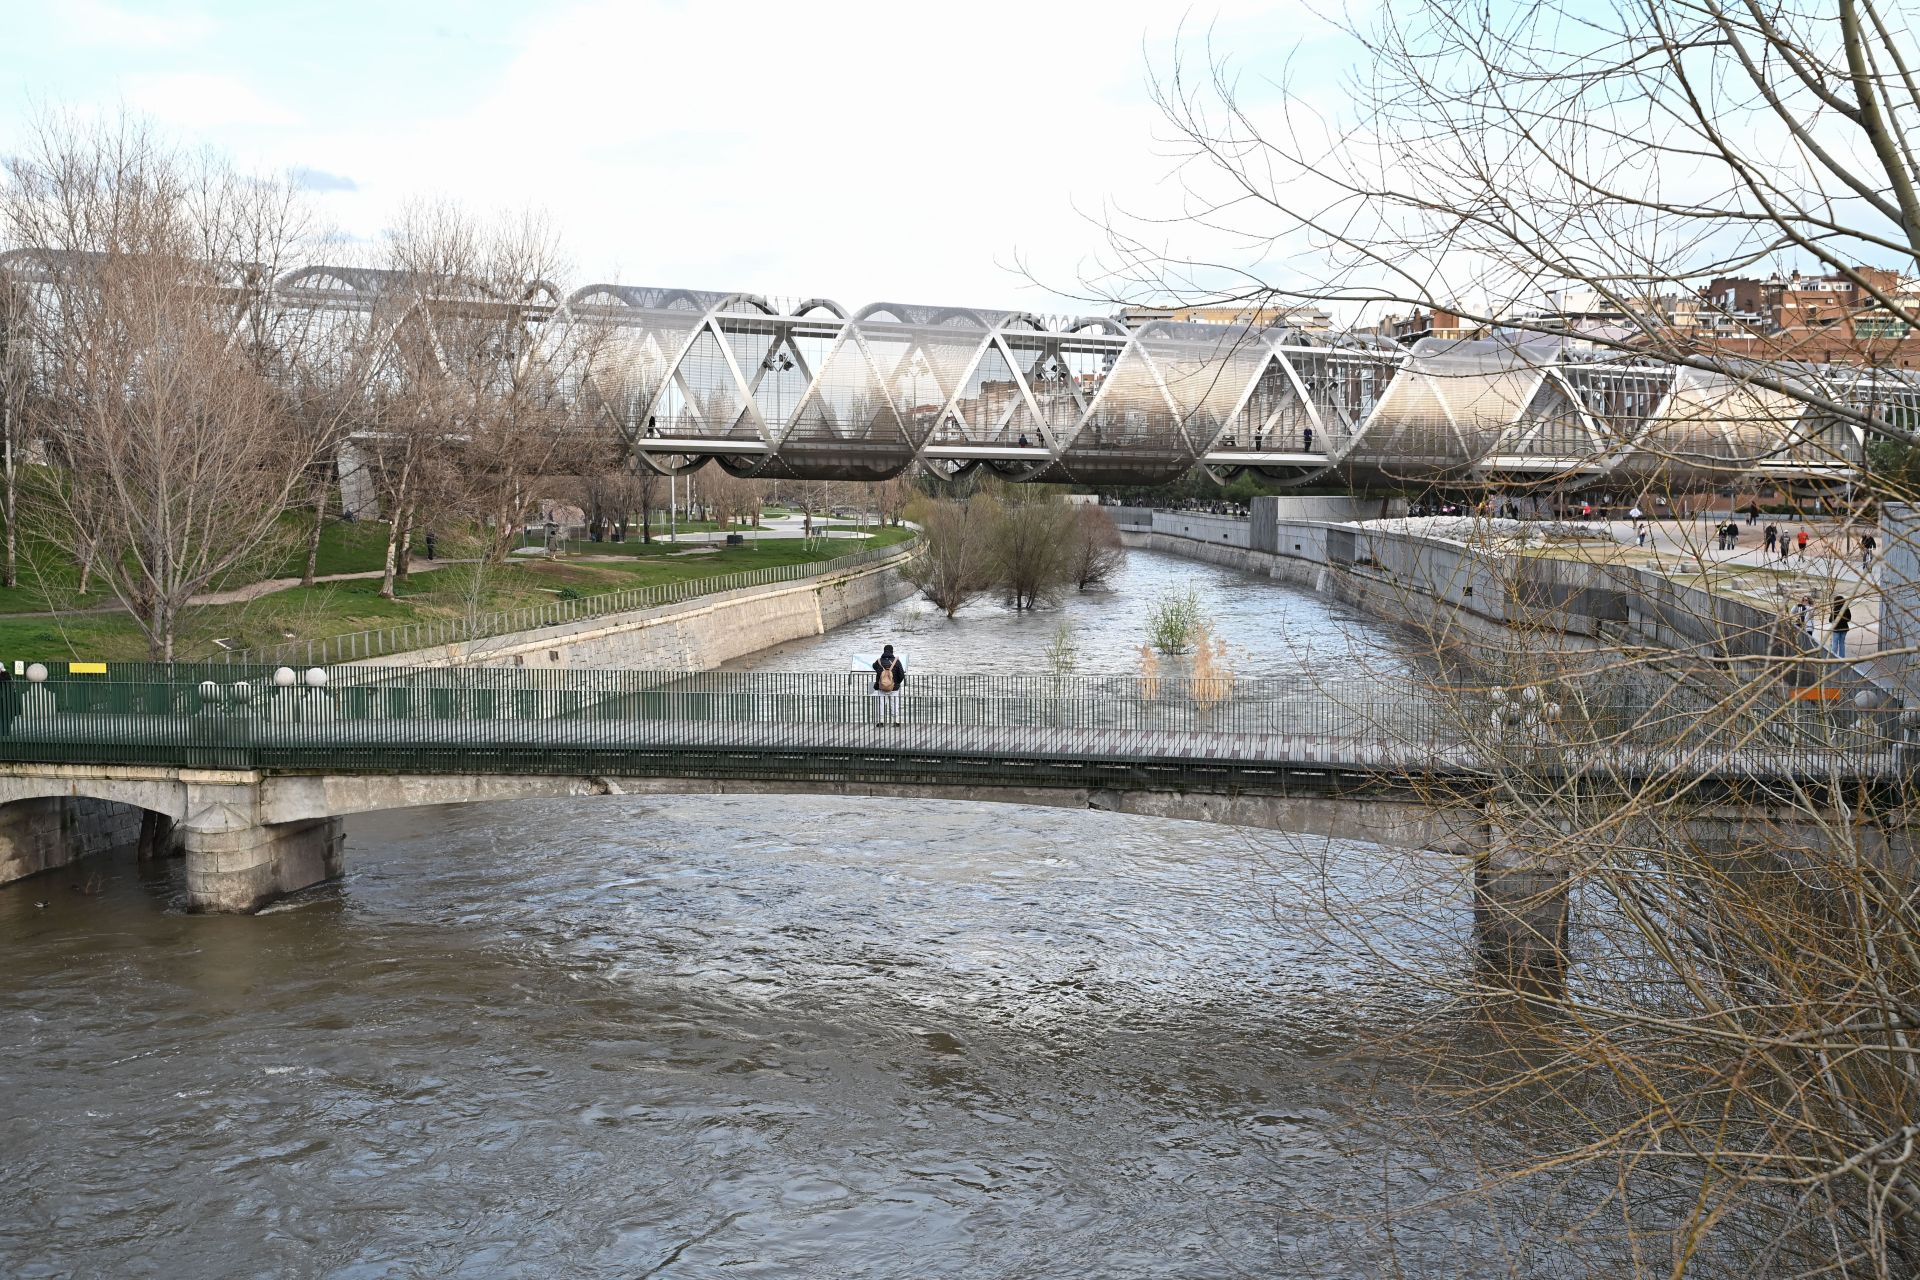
[
  {"x": 1840, "y": 621},
  {"x": 429, "y": 544},
  {"x": 1772, "y": 540},
  {"x": 889, "y": 676},
  {"x": 1867, "y": 544},
  {"x": 1803, "y": 617},
  {"x": 1753, "y": 513},
  {"x": 1801, "y": 541},
  {"x": 1640, "y": 529}
]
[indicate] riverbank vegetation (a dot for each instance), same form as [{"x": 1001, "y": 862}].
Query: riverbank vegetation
[{"x": 1027, "y": 548}]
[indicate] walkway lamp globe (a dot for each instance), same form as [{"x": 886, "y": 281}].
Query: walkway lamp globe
[
  {"x": 283, "y": 677},
  {"x": 316, "y": 677},
  {"x": 241, "y": 692},
  {"x": 37, "y": 672},
  {"x": 209, "y": 691}
]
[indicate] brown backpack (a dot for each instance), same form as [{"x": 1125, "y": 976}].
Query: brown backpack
[{"x": 886, "y": 677}]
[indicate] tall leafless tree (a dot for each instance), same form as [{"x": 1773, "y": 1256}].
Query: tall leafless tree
[{"x": 175, "y": 445}]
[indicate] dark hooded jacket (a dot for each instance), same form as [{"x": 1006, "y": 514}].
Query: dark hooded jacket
[{"x": 899, "y": 671}]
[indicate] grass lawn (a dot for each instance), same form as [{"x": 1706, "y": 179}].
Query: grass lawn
[
  {"x": 344, "y": 548},
  {"x": 444, "y": 592},
  {"x": 49, "y": 578}
]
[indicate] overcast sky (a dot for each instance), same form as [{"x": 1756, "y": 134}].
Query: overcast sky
[{"x": 866, "y": 152}]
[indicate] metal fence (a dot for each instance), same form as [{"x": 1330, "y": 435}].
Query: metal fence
[
  {"x": 497, "y": 719},
  {"x": 362, "y": 646}
]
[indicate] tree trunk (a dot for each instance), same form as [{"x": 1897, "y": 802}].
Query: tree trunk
[
  {"x": 319, "y": 504},
  {"x": 401, "y": 497},
  {"x": 12, "y": 496},
  {"x": 166, "y": 621},
  {"x": 406, "y": 541}
]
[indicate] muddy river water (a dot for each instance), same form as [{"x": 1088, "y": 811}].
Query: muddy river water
[{"x": 742, "y": 1036}]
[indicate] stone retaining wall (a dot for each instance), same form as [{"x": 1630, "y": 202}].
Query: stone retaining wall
[
  {"x": 689, "y": 636},
  {"x": 1489, "y": 595}
]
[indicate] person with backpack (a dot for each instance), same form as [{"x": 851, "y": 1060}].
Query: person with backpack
[{"x": 889, "y": 676}]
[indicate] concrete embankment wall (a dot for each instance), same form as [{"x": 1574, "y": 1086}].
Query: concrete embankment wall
[
  {"x": 1333, "y": 507},
  {"x": 1489, "y": 596},
  {"x": 689, "y": 636}
]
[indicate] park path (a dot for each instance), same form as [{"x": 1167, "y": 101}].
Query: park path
[{"x": 237, "y": 595}]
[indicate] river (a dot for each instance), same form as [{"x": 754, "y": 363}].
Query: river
[{"x": 746, "y": 1036}]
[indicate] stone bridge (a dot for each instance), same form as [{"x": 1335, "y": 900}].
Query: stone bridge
[{"x": 249, "y": 773}]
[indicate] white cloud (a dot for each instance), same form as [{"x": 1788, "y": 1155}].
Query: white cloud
[
  {"x": 906, "y": 152},
  {"x": 203, "y": 100},
  {"x": 99, "y": 22},
  {"x": 866, "y": 152}
]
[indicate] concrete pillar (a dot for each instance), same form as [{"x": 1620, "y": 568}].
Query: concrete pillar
[
  {"x": 1520, "y": 911},
  {"x": 237, "y": 863}
]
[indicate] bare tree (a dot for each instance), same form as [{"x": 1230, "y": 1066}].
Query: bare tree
[
  {"x": 15, "y": 371},
  {"x": 1630, "y": 150},
  {"x": 730, "y": 497},
  {"x": 956, "y": 561},
  {"x": 1728, "y": 1047},
  {"x": 176, "y": 458},
  {"x": 1032, "y": 549},
  {"x": 1094, "y": 550}
]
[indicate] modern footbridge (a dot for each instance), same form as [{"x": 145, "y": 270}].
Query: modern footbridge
[{"x": 810, "y": 389}]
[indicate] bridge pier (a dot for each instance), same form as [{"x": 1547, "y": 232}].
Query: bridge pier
[
  {"x": 237, "y": 863},
  {"x": 1520, "y": 903}
]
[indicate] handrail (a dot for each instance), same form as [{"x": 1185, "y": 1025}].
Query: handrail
[
  {"x": 362, "y": 646},
  {"x": 556, "y": 720}
]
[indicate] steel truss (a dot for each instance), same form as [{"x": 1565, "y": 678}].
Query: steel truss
[{"x": 810, "y": 391}]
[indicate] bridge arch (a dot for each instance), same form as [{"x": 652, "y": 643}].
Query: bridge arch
[{"x": 153, "y": 791}]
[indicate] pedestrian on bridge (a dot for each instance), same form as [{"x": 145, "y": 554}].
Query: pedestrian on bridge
[{"x": 889, "y": 677}]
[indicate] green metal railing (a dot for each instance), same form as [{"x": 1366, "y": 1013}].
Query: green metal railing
[
  {"x": 493, "y": 719},
  {"x": 364, "y": 646}
]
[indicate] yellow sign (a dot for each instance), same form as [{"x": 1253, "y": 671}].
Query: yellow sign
[{"x": 86, "y": 668}]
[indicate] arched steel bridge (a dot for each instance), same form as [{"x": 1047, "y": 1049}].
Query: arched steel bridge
[{"x": 811, "y": 390}]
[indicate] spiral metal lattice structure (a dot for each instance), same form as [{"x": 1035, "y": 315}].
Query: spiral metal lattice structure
[{"x": 808, "y": 390}]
